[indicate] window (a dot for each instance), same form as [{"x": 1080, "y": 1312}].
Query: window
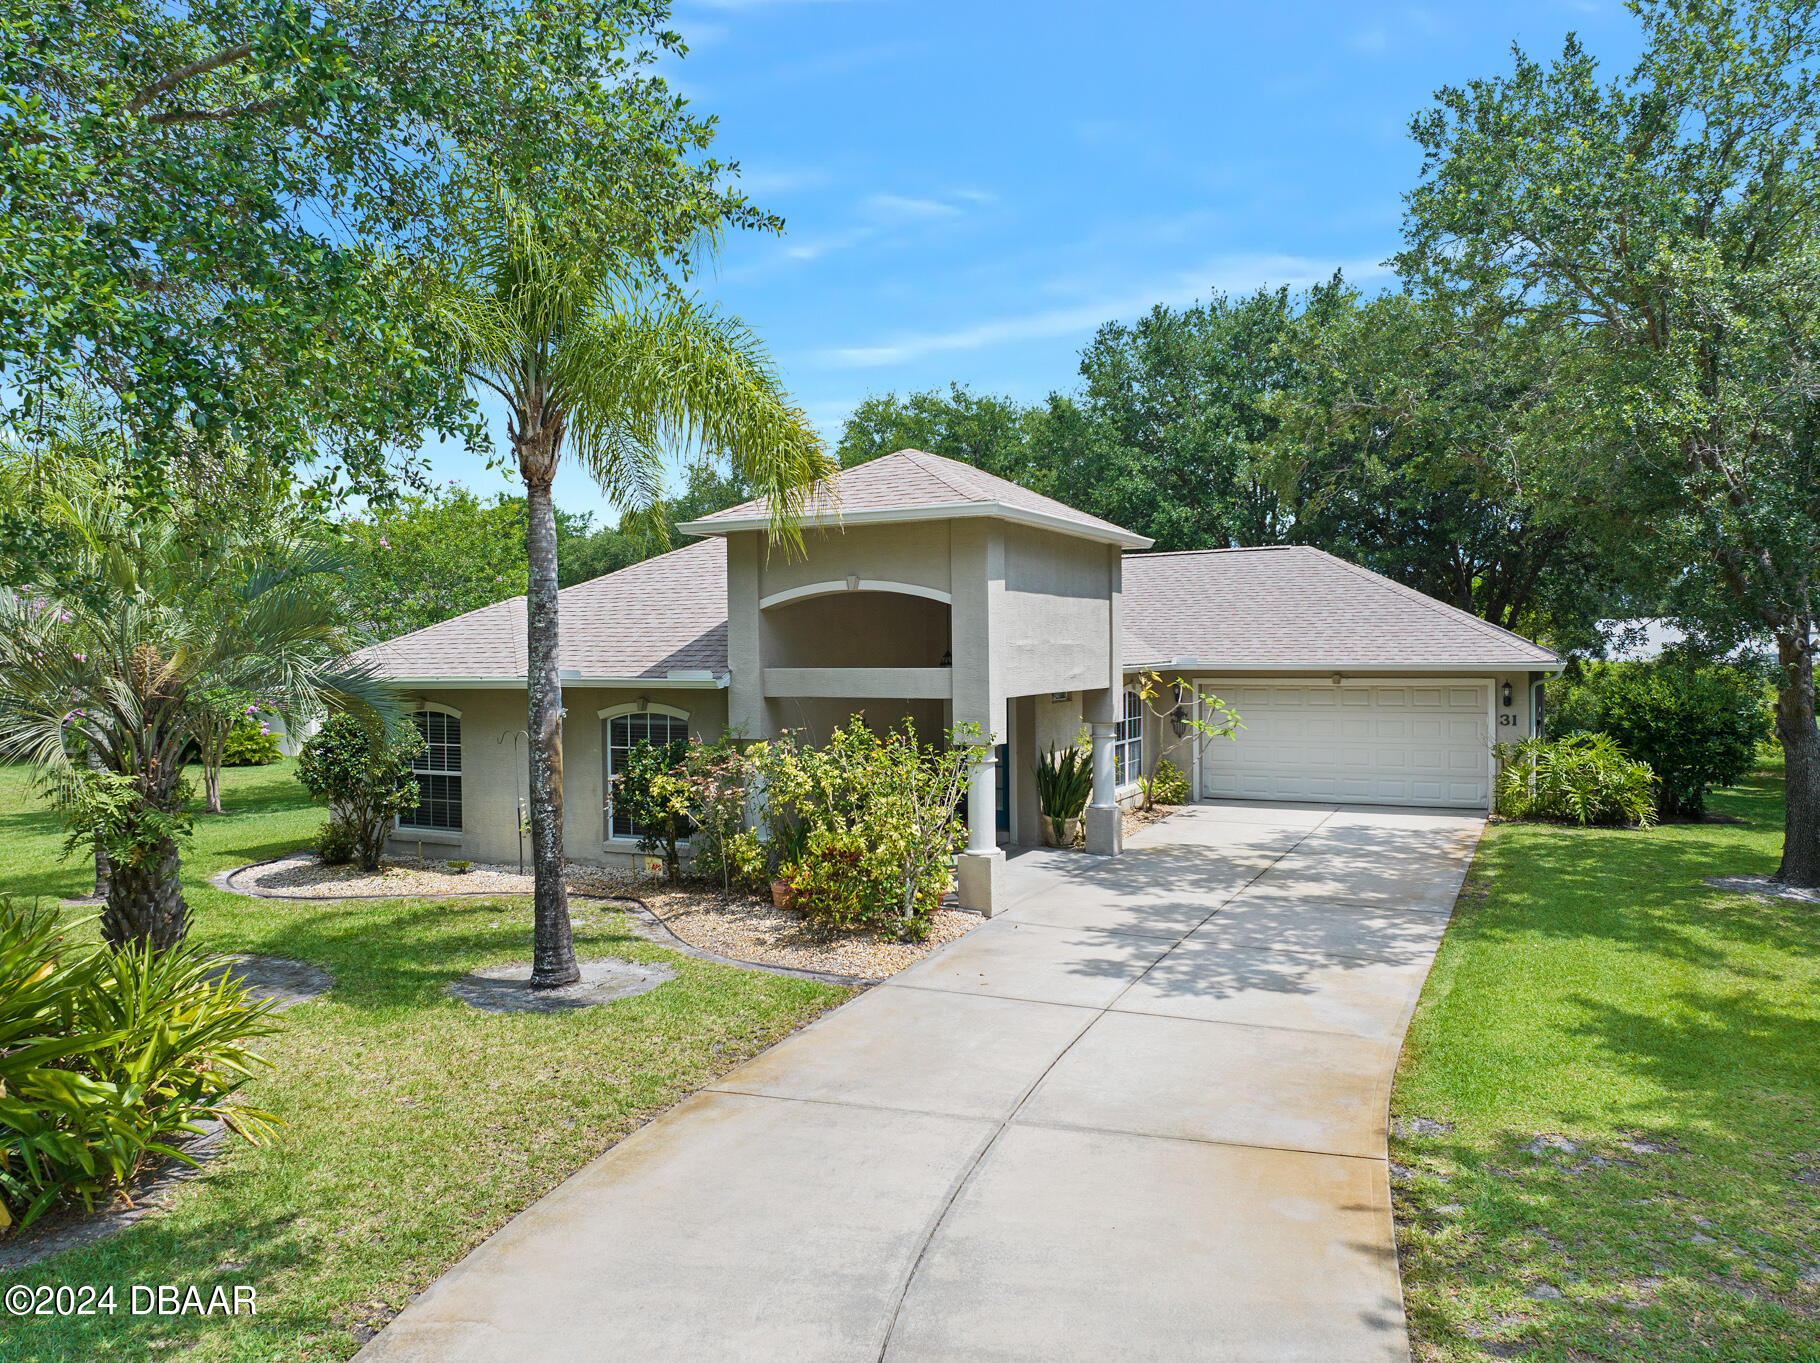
[
  {"x": 1128, "y": 742},
  {"x": 626, "y": 732},
  {"x": 438, "y": 769}
]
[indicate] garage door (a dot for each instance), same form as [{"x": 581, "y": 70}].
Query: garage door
[{"x": 1356, "y": 743}]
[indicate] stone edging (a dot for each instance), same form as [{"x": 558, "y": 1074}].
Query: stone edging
[{"x": 654, "y": 927}]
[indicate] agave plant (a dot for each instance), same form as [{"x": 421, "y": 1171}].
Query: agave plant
[{"x": 1064, "y": 783}]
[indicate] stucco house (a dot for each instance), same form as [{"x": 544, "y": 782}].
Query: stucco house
[{"x": 932, "y": 590}]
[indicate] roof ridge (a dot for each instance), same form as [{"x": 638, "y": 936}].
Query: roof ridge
[
  {"x": 1227, "y": 549},
  {"x": 916, "y": 457},
  {"x": 1434, "y": 604}
]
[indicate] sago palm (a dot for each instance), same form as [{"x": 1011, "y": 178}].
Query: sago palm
[
  {"x": 101, "y": 674},
  {"x": 587, "y": 357}
]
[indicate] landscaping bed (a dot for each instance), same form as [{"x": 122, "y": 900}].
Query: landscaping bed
[
  {"x": 1606, "y": 1111},
  {"x": 304, "y": 875},
  {"x": 751, "y": 929}
]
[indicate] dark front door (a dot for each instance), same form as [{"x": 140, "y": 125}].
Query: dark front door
[{"x": 1004, "y": 787}]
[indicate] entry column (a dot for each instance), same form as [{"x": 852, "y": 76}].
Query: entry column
[{"x": 980, "y": 870}]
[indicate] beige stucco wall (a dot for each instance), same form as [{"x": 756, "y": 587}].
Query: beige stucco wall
[
  {"x": 856, "y": 629},
  {"x": 495, "y": 773},
  {"x": 1030, "y": 612}
]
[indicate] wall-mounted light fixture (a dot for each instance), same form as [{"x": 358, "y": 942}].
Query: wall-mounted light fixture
[
  {"x": 948, "y": 657},
  {"x": 1178, "y": 720},
  {"x": 1506, "y": 693}
]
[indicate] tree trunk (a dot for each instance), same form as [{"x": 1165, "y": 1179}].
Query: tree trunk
[
  {"x": 553, "y": 945},
  {"x": 1795, "y": 726},
  {"x": 145, "y": 903},
  {"x": 211, "y": 771}
]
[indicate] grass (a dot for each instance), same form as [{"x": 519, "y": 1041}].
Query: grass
[
  {"x": 1591, "y": 987},
  {"x": 415, "y": 1125}
]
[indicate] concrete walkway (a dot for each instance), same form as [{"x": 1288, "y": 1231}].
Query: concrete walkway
[{"x": 1141, "y": 1115}]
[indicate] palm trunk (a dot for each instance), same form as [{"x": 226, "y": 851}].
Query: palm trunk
[
  {"x": 1796, "y": 728},
  {"x": 145, "y": 904},
  {"x": 553, "y": 945}
]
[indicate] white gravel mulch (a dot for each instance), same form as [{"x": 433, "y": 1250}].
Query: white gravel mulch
[
  {"x": 753, "y": 929},
  {"x": 303, "y": 875}
]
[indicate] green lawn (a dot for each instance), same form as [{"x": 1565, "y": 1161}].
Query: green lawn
[
  {"x": 416, "y": 1125},
  {"x": 1591, "y": 987}
]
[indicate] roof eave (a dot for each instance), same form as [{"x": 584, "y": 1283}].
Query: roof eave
[
  {"x": 689, "y": 680},
  {"x": 1349, "y": 668},
  {"x": 1125, "y": 539}
]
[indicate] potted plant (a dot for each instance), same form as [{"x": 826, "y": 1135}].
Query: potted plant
[
  {"x": 1064, "y": 781},
  {"x": 789, "y": 840}
]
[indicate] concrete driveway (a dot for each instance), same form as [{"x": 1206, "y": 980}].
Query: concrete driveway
[{"x": 1141, "y": 1115}]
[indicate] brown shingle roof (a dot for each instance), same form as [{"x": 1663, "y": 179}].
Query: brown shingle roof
[
  {"x": 1297, "y": 607},
  {"x": 913, "y": 485},
  {"x": 666, "y": 614}
]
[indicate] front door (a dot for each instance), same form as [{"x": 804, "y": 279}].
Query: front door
[{"x": 1004, "y": 787}]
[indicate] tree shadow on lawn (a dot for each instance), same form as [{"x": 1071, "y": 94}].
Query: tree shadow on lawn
[
  {"x": 390, "y": 953},
  {"x": 1638, "y": 888}
]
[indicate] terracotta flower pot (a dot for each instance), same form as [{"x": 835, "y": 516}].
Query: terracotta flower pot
[
  {"x": 782, "y": 896},
  {"x": 1070, "y": 830}
]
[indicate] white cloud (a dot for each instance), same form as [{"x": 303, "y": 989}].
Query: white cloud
[
  {"x": 898, "y": 208},
  {"x": 1229, "y": 274},
  {"x": 1370, "y": 42}
]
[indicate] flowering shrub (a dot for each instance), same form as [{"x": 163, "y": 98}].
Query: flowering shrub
[
  {"x": 720, "y": 778},
  {"x": 871, "y": 824},
  {"x": 249, "y": 744}
]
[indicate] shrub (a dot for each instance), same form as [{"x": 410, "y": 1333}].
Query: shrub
[
  {"x": 362, "y": 769},
  {"x": 871, "y": 824},
  {"x": 1166, "y": 786},
  {"x": 1064, "y": 783},
  {"x": 106, "y": 1057},
  {"x": 720, "y": 778},
  {"x": 1696, "y": 725},
  {"x": 1583, "y": 779},
  {"x": 335, "y": 842},
  {"x": 653, "y": 788},
  {"x": 249, "y": 744}
]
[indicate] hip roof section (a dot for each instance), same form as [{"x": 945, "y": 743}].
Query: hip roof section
[
  {"x": 1300, "y": 608},
  {"x": 912, "y": 485},
  {"x": 667, "y": 614}
]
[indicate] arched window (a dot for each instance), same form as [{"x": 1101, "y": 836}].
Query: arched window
[
  {"x": 1128, "y": 741},
  {"x": 625, "y": 731},
  {"x": 438, "y": 771}
]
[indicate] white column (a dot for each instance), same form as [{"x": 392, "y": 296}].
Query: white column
[
  {"x": 1105, "y": 827},
  {"x": 980, "y": 870},
  {"x": 982, "y": 800}
]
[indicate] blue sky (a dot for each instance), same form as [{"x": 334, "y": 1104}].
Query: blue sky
[{"x": 970, "y": 189}]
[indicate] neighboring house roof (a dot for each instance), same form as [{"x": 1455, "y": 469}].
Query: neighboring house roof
[
  {"x": 664, "y": 616},
  {"x": 913, "y": 485},
  {"x": 1300, "y": 609}
]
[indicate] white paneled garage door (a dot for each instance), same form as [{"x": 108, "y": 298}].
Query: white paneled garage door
[{"x": 1389, "y": 742}]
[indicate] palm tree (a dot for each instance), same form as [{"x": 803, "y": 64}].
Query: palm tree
[
  {"x": 103, "y": 670},
  {"x": 567, "y": 333}
]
